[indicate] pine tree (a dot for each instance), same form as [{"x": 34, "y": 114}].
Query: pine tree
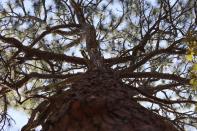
[{"x": 99, "y": 65}]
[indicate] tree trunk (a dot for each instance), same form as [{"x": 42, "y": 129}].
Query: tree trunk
[{"x": 100, "y": 102}]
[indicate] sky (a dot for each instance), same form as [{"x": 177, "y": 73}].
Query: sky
[{"x": 20, "y": 118}]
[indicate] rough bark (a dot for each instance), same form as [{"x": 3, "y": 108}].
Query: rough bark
[{"x": 99, "y": 102}]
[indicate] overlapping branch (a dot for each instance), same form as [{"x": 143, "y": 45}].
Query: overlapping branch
[
  {"x": 42, "y": 55},
  {"x": 126, "y": 74}
]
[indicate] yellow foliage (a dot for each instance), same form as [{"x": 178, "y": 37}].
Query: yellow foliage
[
  {"x": 189, "y": 57},
  {"x": 194, "y": 67},
  {"x": 193, "y": 82},
  {"x": 191, "y": 40}
]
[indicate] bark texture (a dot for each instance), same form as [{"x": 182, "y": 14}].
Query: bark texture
[{"x": 100, "y": 102}]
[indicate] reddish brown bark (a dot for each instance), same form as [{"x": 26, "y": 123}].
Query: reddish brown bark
[{"x": 100, "y": 102}]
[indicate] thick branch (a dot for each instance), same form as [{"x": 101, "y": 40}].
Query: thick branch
[
  {"x": 163, "y": 101},
  {"x": 153, "y": 54},
  {"x": 29, "y": 76},
  {"x": 148, "y": 56},
  {"x": 49, "y": 76},
  {"x": 44, "y": 55},
  {"x": 117, "y": 60},
  {"x": 126, "y": 74}
]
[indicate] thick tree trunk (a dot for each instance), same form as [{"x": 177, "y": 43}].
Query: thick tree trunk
[{"x": 100, "y": 102}]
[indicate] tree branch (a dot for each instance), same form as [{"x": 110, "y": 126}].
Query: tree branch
[
  {"x": 51, "y": 29},
  {"x": 43, "y": 55},
  {"x": 164, "y": 101},
  {"x": 127, "y": 74}
]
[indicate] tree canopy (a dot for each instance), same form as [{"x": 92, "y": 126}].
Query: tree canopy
[{"x": 150, "y": 46}]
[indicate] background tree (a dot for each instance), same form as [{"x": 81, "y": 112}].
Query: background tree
[{"x": 99, "y": 64}]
